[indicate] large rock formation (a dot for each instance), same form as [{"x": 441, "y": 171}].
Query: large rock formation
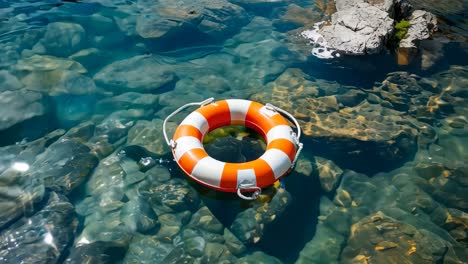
[
  {"x": 365, "y": 26},
  {"x": 359, "y": 26},
  {"x": 358, "y": 31},
  {"x": 423, "y": 24}
]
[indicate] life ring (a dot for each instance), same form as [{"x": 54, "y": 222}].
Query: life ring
[{"x": 282, "y": 149}]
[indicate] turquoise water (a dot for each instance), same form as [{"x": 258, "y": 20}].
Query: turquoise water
[{"x": 86, "y": 176}]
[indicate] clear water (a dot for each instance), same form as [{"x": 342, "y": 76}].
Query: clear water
[{"x": 86, "y": 176}]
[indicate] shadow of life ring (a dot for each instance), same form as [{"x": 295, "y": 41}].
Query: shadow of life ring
[{"x": 283, "y": 146}]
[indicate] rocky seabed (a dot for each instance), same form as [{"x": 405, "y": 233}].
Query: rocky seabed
[{"x": 86, "y": 175}]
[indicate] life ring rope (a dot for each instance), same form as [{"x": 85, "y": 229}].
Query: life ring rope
[
  {"x": 191, "y": 147},
  {"x": 295, "y": 136},
  {"x": 171, "y": 142}
]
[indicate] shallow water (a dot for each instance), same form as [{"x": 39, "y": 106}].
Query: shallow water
[{"x": 86, "y": 175}]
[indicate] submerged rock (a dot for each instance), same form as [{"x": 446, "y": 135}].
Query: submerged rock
[
  {"x": 233, "y": 243},
  {"x": 18, "y": 194},
  {"x": 174, "y": 195},
  {"x": 227, "y": 149},
  {"x": 105, "y": 226},
  {"x": 147, "y": 249},
  {"x": 97, "y": 253},
  {"x": 116, "y": 125},
  {"x": 195, "y": 246},
  {"x": 38, "y": 63},
  {"x": 248, "y": 226},
  {"x": 457, "y": 225},
  {"x": 64, "y": 165},
  {"x": 203, "y": 219},
  {"x": 167, "y": 18},
  {"x": 448, "y": 182},
  {"x": 42, "y": 237},
  {"x": 138, "y": 74},
  {"x": 329, "y": 174},
  {"x": 19, "y": 106},
  {"x": 62, "y": 38},
  {"x": 107, "y": 174},
  {"x": 149, "y": 135},
  {"x": 130, "y": 100},
  {"x": 380, "y": 238},
  {"x": 9, "y": 81},
  {"x": 171, "y": 225},
  {"x": 388, "y": 135},
  {"x": 178, "y": 255},
  {"x": 258, "y": 257},
  {"x": 325, "y": 247},
  {"x": 60, "y": 82},
  {"x": 138, "y": 216},
  {"x": 298, "y": 16},
  {"x": 261, "y": 2}
]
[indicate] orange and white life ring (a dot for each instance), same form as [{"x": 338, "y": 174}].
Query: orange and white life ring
[{"x": 282, "y": 149}]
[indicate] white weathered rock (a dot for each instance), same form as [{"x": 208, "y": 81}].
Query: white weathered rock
[
  {"x": 364, "y": 26},
  {"x": 423, "y": 25},
  {"x": 384, "y": 5},
  {"x": 359, "y": 30}
]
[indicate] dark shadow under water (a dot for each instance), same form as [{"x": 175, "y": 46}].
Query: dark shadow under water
[
  {"x": 364, "y": 71},
  {"x": 287, "y": 235}
]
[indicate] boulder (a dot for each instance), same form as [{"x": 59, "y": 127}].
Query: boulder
[
  {"x": 337, "y": 129},
  {"x": 148, "y": 134},
  {"x": 142, "y": 73},
  {"x": 384, "y": 5},
  {"x": 62, "y": 39},
  {"x": 39, "y": 63},
  {"x": 298, "y": 16},
  {"x": 9, "y": 81},
  {"x": 168, "y": 18},
  {"x": 138, "y": 216},
  {"x": 329, "y": 173},
  {"x": 64, "y": 165},
  {"x": 41, "y": 237},
  {"x": 324, "y": 248},
  {"x": 18, "y": 194},
  {"x": 172, "y": 196},
  {"x": 358, "y": 31},
  {"x": 382, "y": 239},
  {"x": 168, "y": 23},
  {"x": 130, "y": 100},
  {"x": 147, "y": 249},
  {"x": 98, "y": 252},
  {"x": 249, "y": 225},
  {"x": 259, "y": 257},
  {"x": 365, "y": 26},
  {"x": 19, "y": 106},
  {"x": 423, "y": 25}
]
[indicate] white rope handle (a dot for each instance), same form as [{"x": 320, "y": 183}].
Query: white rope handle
[
  {"x": 296, "y": 136},
  {"x": 248, "y": 186},
  {"x": 171, "y": 142}
]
